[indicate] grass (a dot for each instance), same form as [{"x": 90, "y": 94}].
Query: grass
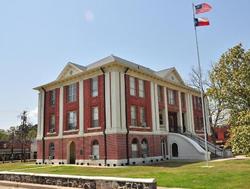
[{"x": 223, "y": 174}]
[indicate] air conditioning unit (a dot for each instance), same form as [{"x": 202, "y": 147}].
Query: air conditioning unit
[
  {"x": 144, "y": 124},
  {"x": 93, "y": 157},
  {"x": 52, "y": 130}
]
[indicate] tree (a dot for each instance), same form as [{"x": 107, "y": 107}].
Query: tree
[
  {"x": 217, "y": 115},
  {"x": 231, "y": 88},
  {"x": 3, "y": 135},
  {"x": 12, "y": 138},
  {"x": 22, "y": 132}
]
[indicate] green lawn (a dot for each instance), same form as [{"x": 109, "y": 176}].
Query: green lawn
[{"x": 226, "y": 174}]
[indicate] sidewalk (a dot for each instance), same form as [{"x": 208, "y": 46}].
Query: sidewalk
[
  {"x": 19, "y": 185},
  {"x": 13, "y": 185}
]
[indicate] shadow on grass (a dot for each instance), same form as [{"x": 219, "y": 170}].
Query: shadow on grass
[{"x": 174, "y": 163}]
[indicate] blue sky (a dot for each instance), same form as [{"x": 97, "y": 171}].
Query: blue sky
[{"x": 38, "y": 37}]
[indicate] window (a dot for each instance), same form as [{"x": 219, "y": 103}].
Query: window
[
  {"x": 95, "y": 117},
  {"x": 72, "y": 122},
  {"x": 142, "y": 117},
  {"x": 141, "y": 89},
  {"x": 133, "y": 115},
  {"x": 161, "y": 121},
  {"x": 134, "y": 148},
  {"x": 95, "y": 149},
  {"x": 159, "y": 93},
  {"x": 72, "y": 92},
  {"x": 132, "y": 86},
  {"x": 171, "y": 97},
  {"x": 53, "y": 97},
  {"x": 144, "y": 148},
  {"x": 51, "y": 151},
  {"x": 94, "y": 86},
  {"x": 52, "y": 123}
]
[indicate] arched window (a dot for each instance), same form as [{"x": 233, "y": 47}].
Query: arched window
[
  {"x": 95, "y": 149},
  {"x": 144, "y": 147},
  {"x": 51, "y": 151},
  {"x": 134, "y": 148},
  {"x": 175, "y": 150}
]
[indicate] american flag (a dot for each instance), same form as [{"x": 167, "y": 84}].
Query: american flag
[{"x": 201, "y": 8}]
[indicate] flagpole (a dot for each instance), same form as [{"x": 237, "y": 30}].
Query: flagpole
[{"x": 201, "y": 87}]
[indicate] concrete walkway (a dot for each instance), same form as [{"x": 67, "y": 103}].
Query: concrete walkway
[
  {"x": 240, "y": 157},
  {"x": 14, "y": 185}
]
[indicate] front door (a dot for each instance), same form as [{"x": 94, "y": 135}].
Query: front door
[
  {"x": 172, "y": 121},
  {"x": 72, "y": 153}
]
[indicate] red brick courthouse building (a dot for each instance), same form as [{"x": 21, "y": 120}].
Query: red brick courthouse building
[{"x": 115, "y": 112}]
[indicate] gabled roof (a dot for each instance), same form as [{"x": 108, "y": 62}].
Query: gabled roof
[
  {"x": 170, "y": 74},
  {"x": 71, "y": 69}
]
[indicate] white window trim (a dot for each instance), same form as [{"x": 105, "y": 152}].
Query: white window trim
[
  {"x": 132, "y": 87},
  {"x": 141, "y": 88},
  {"x": 95, "y": 117},
  {"x": 94, "y": 87},
  {"x": 143, "y": 121},
  {"x": 74, "y": 123},
  {"x": 72, "y": 92},
  {"x": 171, "y": 97},
  {"x": 133, "y": 117}
]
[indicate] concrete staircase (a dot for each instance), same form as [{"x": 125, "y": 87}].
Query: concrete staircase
[{"x": 212, "y": 148}]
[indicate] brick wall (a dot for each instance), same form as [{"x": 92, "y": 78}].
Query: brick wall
[
  {"x": 139, "y": 102},
  {"x": 197, "y": 112},
  {"x": 90, "y": 102},
  {"x": 70, "y": 106},
  {"x": 173, "y": 107},
  {"x": 52, "y": 109}
]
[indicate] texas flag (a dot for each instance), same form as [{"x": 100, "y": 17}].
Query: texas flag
[
  {"x": 201, "y": 8},
  {"x": 201, "y": 22}
]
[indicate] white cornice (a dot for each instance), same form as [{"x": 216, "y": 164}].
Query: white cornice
[{"x": 112, "y": 63}]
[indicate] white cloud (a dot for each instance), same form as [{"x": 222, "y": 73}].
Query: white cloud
[{"x": 89, "y": 16}]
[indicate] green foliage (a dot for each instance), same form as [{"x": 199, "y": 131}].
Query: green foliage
[
  {"x": 232, "y": 77},
  {"x": 231, "y": 86},
  {"x": 32, "y": 132},
  {"x": 3, "y": 135},
  {"x": 240, "y": 139}
]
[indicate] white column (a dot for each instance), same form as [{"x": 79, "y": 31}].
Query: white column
[
  {"x": 123, "y": 102},
  {"x": 40, "y": 115},
  {"x": 188, "y": 107},
  {"x": 152, "y": 92},
  {"x": 180, "y": 111},
  {"x": 107, "y": 101},
  {"x": 157, "y": 109},
  {"x": 61, "y": 112},
  {"x": 81, "y": 108},
  {"x": 192, "y": 113},
  {"x": 166, "y": 107},
  {"x": 115, "y": 101}
]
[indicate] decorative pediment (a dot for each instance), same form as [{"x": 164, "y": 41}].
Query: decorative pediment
[
  {"x": 171, "y": 74},
  {"x": 69, "y": 70}
]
